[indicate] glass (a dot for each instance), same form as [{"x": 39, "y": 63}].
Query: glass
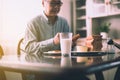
[
  {"x": 66, "y": 62},
  {"x": 59, "y": 3},
  {"x": 66, "y": 44}
]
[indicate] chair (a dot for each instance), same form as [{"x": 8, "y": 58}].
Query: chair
[
  {"x": 19, "y": 47},
  {"x": 1, "y": 51},
  {"x": 117, "y": 75}
]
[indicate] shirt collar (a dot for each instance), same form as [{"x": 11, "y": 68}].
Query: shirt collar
[{"x": 45, "y": 17}]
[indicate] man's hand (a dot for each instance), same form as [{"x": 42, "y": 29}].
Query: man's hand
[
  {"x": 56, "y": 39},
  {"x": 74, "y": 39}
]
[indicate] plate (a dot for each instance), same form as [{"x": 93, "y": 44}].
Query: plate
[
  {"x": 76, "y": 53},
  {"x": 91, "y": 53},
  {"x": 54, "y": 53}
]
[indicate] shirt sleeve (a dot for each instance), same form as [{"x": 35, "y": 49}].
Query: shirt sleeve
[{"x": 31, "y": 43}]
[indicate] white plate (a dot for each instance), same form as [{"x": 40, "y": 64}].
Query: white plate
[
  {"x": 59, "y": 52},
  {"x": 52, "y": 52},
  {"x": 76, "y": 53}
]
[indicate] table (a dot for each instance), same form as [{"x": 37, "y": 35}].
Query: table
[{"x": 57, "y": 67}]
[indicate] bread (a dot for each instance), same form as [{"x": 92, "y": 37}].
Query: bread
[
  {"x": 75, "y": 37},
  {"x": 94, "y": 42}
]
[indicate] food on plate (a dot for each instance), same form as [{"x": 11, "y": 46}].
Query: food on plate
[
  {"x": 94, "y": 42},
  {"x": 75, "y": 37}
]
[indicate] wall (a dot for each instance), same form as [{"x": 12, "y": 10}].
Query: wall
[
  {"x": 14, "y": 14},
  {"x": 114, "y": 32},
  {"x": 115, "y": 26},
  {"x": 0, "y": 16}
]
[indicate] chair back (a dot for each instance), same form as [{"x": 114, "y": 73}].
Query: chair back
[
  {"x": 1, "y": 51},
  {"x": 19, "y": 47}
]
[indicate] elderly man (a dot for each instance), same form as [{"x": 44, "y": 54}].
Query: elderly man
[{"x": 42, "y": 32}]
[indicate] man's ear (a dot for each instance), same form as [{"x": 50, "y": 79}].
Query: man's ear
[{"x": 43, "y": 2}]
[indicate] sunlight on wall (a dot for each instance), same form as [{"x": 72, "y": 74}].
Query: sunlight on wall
[{"x": 15, "y": 14}]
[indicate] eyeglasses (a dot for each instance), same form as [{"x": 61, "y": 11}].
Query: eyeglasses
[{"x": 55, "y": 3}]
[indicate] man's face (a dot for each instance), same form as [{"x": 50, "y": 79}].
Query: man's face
[{"x": 52, "y": 7}]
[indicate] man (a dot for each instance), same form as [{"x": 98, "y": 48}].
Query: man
[{"x": 42, "y": 32}]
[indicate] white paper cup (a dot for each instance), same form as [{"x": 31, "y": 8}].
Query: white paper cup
[
  {"x": 66, "y": 62},
  {"x": 81, "y": 48}
]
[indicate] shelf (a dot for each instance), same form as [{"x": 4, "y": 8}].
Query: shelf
[
  {"x": 98, "y": 1},
  {"x": 99, "y": 4},
  {"x": 114, "y": 13},
  {"x": 99, "y": 12},
  {"x": 81, "y": 18},
  {"x": 81, "y": 8},
  {"x": 83, "y": 28},
  {"x": 79, "y": 13},
  {"x": 106, "y": 15},
  {"x": 114, "y": 3},
  {"x": 99, "y": 15}
]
